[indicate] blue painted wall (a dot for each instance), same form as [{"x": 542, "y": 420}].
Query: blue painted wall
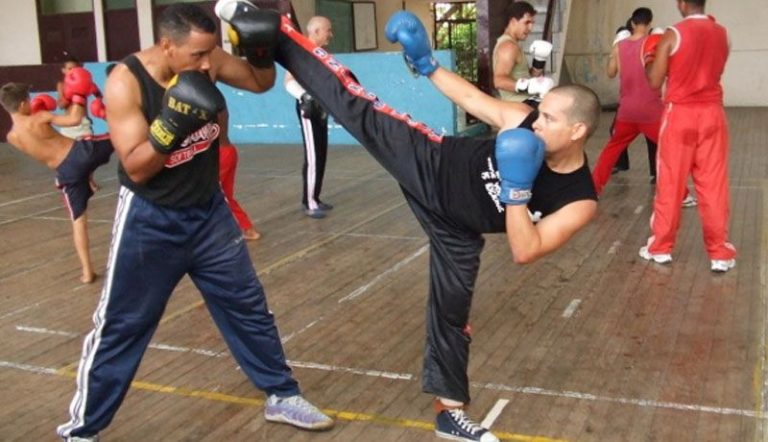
[{"x": 270, "y": 118}]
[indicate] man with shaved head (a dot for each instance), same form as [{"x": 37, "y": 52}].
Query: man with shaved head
[{"x": 314, "y": 127}]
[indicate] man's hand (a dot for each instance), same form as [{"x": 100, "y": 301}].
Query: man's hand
[
  {"x": 77, "y": 86},
  {"x": 190, "y": 102},
  {"x": 252, "y": 30},
  {"x": 309, "y": 107},
  {"x": 42, "y": 102},
  {"x": 541, "y": 50},
  {"x": 622, "y": 34},
  {"x": 648, "y": 51},
  {"x": 405, "y": 28},
  {"x": 519, "y": 155}
]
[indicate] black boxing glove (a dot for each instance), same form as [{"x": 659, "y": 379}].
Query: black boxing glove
[
  {"x": 191, "y": 101},
  {"x": 253, "y": 31}
]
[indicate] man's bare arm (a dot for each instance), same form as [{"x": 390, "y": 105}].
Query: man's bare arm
[
  {"x": 238, "y": 73},
  {"x": 476, "y": 102},
  {"x": 529, "y": 242},
  {"x": 72, "y": 117},
  {"x": 657, "y": 71},
  {"x": 128, "y": 128},
  {"x": 506, "y": 57},
  {"x": 613, "y": 62}
]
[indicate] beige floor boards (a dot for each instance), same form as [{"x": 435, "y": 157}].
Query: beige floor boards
[{"x": 588, "y": 344}]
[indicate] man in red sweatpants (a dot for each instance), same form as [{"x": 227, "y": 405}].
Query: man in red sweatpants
[{"x": 694, "y": 133}]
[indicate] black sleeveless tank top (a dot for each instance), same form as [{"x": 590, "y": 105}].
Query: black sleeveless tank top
[
  {"x": 191, "y": 174},
  {"x": 470, "y": 186}
]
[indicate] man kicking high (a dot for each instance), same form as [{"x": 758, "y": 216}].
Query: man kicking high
[{"x": 459, "y": 188}]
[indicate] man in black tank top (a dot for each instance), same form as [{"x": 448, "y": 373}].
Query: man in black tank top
[
  {"x": 172, "y": 219},
  {"x": 453, "y": 187}
]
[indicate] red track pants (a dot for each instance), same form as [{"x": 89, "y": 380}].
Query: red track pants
[
  {"x": 227, "y": 168},
  {"x": 623, "y": 134},
  {"x": 693, "y": 141}
]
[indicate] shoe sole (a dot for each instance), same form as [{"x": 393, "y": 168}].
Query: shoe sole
[
  {"x": 280, "y": 419},
  {"x": 442, "y": 435},
  {"x": 722, "y": 269},
  {"x": 653, "y": 259}
]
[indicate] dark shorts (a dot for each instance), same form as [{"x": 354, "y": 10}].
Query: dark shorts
[{"x": 72, "y": 175}]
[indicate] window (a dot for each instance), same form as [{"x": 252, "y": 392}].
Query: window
[{"x": 455, "y": 28}]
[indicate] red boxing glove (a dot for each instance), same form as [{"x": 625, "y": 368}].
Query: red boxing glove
[
  {"x": 77, "y": 85},
  {"x": 95, "y": 91},
  {"x": 98, "y": 109},
  {"x": 648, "y": 51},
  {"x": 42, "y": 102}
]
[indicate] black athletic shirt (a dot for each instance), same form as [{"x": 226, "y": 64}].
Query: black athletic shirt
[
  {"x": 191, "y": 174},
  {"x": 469, "y": 181}
]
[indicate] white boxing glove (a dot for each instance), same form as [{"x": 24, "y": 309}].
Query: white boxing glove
[
  {"x": 521, "y": 85},
  {"x": 622, "y": 35},
  {"x": 540, "y": 85},
  {"x": 540, "y": 49}
]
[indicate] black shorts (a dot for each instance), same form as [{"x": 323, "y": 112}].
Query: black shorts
[{"x": 72, "y": 175}]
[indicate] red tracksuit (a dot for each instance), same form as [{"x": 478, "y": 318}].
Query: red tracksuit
[
  {"x": 694, "y": 138},
  {"x": 227, "y": 168},
  {"x": 640, "y": 110}
]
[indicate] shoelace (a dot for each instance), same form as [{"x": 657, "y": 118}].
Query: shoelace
[
  {"x": 300, "y": 403},
  {"x": 465, "y": 422}
]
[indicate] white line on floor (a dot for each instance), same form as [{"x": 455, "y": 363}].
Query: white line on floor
[
  {"x": 644, "y": 403},
  {"x": 302, "y": 330},
  {"x": 371, "y": 373},
  {"x": 64, "y": 218},
  {"x": 216, "y": 354},
  {"x": 45, "y": 194},
  {"x": 360, "y": 290},
  {"x": 29, "y": 198},
  {"x": 20, "y": 310},
  {"x": 54, "y": 209},
  {"x": 492, "y": 415},
  {"x": 571, "y": 309},
  {"x": 27, "y": 367}
]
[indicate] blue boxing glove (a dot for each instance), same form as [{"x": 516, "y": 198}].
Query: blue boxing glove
[
  {"x": 405, "y": 28},
  {"x": 519, "y": 154}
]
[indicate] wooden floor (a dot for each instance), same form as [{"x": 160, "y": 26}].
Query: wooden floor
[{"x": 589, "y": 344}]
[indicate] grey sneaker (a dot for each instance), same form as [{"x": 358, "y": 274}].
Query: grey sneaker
[
  {"x": 658, "y": 258},
  {"x": 296, "y": 411},
  {"x": 722, "y": 265},
  {"x": 690, "y": 201}
]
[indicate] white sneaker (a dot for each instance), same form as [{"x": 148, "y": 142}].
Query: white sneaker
[
  {"x": 722, "y": 265},
  {"x": 658, "y": 258},
  {"x": 690, "y": 201},
  {"x": 296, "y": 411}
]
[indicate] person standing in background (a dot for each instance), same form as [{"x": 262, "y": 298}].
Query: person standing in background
[
  {"x": 512, "y": 77},
  {"x": 640, "y": 106},
  {"x": 314, "y": 127},
  {"x": 691, "y": 57},
  {"x": 64, "y": 102},
  {"x": 227, "y": 170}
]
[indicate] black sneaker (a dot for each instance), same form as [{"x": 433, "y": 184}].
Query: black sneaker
[
  {"x": 454, "y": 424},
  {"x": 324, "y": 206}
]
